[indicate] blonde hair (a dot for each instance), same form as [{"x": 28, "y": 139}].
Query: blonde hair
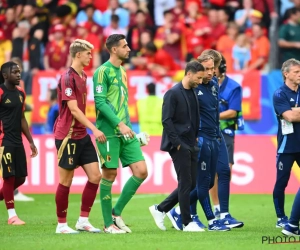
[
  {"x": 79, "y": 45},
  {"x": 216, "y": 56},
  {"x": 204, "y": 57}
]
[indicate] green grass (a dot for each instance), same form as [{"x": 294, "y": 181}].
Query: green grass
[{"x": 256, "y": 211}]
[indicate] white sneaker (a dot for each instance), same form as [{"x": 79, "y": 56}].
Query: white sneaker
[
  {"x": 120, "y": 223},
  {"x": 86, "y": 226},
  {"x": 114, "y": 230},
  {"x": 65, "y": 229},
  {"x": 22, "y": 197},
  {"x": 158, "y": 217},
  {"x": 193, "y": 227}
]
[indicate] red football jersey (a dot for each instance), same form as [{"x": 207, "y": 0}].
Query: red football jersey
[{"x": 71, "y": 86}]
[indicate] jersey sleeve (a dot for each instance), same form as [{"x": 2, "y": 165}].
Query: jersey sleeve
[
  {"x": 101, "y": 85},
  {"x": 280, "y": 102},
  {"x": 24, "y": 97},
  {"x": 235, "y": 100},
  {"x": 67, "y": 87}
]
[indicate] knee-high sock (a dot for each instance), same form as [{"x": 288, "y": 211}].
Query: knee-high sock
[
  {"x": 128, "y": 191},
  {"x": 88, "y": 198},
  {"x": 105, "y": 200},
  {"x": 62, "y": 200}
]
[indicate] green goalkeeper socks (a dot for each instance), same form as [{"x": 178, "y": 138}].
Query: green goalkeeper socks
[
  {"x": 106, "y": 202},
  {"x": 128, "y": 191}
]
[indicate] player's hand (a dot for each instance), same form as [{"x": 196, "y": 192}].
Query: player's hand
[
  {"x": 99, "y": 135},
  {"x": 126, "y": 131},
  {"x": 33, "y": 150}
]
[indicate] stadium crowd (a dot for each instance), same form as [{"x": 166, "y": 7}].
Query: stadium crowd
[{"x": 163, "y": 34}]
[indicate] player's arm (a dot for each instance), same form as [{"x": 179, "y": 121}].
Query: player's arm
[
  {"x": 283, "y": 108},
  {"x": 168, "y": 112},
  {"x": 234, "y": 105},
  {"x": 100, "y": 81},
  {"x": 26, "y": 132}
]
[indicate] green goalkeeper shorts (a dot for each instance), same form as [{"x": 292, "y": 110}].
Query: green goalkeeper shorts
[{"x": 118, "y": 148}]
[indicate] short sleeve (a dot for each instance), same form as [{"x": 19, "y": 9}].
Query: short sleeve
[
  {"x": 68, "y": 87},
  {"x": 235, "y": 100},
  {"x": 22, "y": 97},
  {"x": 280, "y": 102},
  {"x": 283, "y": 32}
]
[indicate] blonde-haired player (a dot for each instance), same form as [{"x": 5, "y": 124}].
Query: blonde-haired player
[{"x": 74, "y": 145}]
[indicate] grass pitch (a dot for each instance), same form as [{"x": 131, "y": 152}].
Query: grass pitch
[{"x": 256, "y": 211}]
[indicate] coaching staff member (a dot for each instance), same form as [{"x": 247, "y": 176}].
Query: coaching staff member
[{"x": 180, "y": 119}]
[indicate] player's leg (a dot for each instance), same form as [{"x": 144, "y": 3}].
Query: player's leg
[
  {"x": 223, "y": 171},
  {"x": 8, "y": 160},
  {"x": 109, "y": 157},
  {"x": 89, "y": 161},
  {"x": 131, "y": 155},
  {"x": 284, "y": 165},
  {"x": 292, "y": 228},
  {"x": 67, "y": 162},
  {"x": 215, "y": 198},
  {"x": 205, "y": 180}
]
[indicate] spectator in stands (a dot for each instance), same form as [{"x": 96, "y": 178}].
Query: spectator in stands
[
  {"x": 5, "y": 48},
  {"x": 134, "y": 6},
  {"x": 134, "y": 33},
  {"x": 196, "y": 45},
  {"x": 9, "y": 23},
  {"x": 28, "y": 48},
  {"x": 295, "y": 4},
  {"x": 267, "y": 8},
  {"x": 90, "y": 14},
  {"x": 53, "y": 110},
  {"x": 114, "y": 27},
  {"x": 194, "y": 26},
  {"x": 157, "y": 61},
  {"x": 160, "y": 7},
  {"x": 217, "y": 29},
  {"x": 223, "y": 16},
  {"x": 179, "y": 10},
  {"x": 260, "y": 48},
  {"x": 289, "y": 36},
  {"x": 226, "y": 43},
  {"x": 83, "y": 32},
  {"x": 256, "y": 18},
  {"x": 241, "y": 53},
  {"x": 149, "y": 112},
  {"x": 57, "y": 51},
  {"x": 115, "y": 9},
  {"x": 242, "y": 16},
  {"x": 168, "y": 36}
]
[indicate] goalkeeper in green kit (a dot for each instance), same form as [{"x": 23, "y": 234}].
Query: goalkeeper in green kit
[{"x": 112, "y": 116}]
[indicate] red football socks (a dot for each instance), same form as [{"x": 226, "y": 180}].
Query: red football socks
[
  {"x": 62, "y": 200},
  {"x": 88, "y": 198}
]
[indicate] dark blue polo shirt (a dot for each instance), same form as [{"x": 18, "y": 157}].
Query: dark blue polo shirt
[
  {"x": 208, "y": 98},
  {"x": 283, "y": 100}
]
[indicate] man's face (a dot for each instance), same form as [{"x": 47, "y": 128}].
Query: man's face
[
  {"x": 28, "y": 11},
  {"x": 293, "y": 75},
  {"x": 122, "y": 50},
  {"x": 10, "y": 15},
  {"x": 85, "y": 57},
  {"x": 89, "y": 12},
  {"x": 195, "y": 78},
  {"x": 209, "y": 69},
  {"x": 14, "y": 76}
]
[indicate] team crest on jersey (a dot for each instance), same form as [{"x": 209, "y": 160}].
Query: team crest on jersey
[
  {"x": 21, "y": 98},
  {"x": 99, "y": 89},
  {"x": 214, "y": 91},
  {"x": 68, "y": 91}
]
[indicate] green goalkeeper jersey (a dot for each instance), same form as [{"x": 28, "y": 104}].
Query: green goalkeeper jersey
[{"x": 111, "y": 98}]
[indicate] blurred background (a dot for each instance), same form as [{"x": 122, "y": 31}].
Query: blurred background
[{"x": 255, "y": 37}]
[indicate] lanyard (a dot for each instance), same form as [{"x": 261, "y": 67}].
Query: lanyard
[{"x": 298, "y": 92}]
